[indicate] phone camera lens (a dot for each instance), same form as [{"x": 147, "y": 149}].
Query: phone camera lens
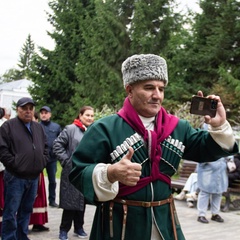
[{"x": 214, "y": 104}]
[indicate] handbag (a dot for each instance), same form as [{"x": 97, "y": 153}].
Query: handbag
[{"x": 231, "y": 164}]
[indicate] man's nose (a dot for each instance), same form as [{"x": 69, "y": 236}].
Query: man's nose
[{"x": 156, "y": 93}]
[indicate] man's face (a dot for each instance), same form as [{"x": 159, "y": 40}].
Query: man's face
[
  {"x": 146, "y": 97},
  {"x": 45, "y": 115},
  {"x": 25, "y": 113}
]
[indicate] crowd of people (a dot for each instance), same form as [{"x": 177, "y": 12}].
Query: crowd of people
[
  {"x": 26, "y": 150},
  {"x": 121, "y": 163}
]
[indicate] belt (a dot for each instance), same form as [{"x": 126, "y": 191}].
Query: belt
[
  {"x": 127, "y": 203},
  {"x": 143, "y": 204}
]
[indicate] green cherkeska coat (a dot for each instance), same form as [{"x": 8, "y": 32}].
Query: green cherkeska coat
[{"x": 100, "y": 140}]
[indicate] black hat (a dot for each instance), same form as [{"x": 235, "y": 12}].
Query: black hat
[
  {"x": 23, "y": 101},
  {"x": 46, "y": 108}
]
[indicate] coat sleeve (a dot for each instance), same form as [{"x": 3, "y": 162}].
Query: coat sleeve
[
  {"x": 60, "y": 145},
  {"x": 6, "y": 156},
  {"x": 94, "y": 148}
]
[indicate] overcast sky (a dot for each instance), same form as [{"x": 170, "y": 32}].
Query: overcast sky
[{"x": 18, "y": 18}]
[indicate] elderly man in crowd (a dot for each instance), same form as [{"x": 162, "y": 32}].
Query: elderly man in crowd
[{"x": 24, "y": 153}]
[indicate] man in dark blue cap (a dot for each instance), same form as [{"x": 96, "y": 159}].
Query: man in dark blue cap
[
  {"x": 52, "y": 131},
  {"x": 24, "y": 153}
]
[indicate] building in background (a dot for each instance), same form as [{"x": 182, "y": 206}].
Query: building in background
[{"x": 11, "y": 92}]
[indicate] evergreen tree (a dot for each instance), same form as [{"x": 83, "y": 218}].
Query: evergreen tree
[
  {"x": 99, "y": 65},
  {"x": 26, "y": 55},
  {"x": 54, "y": 72},
  {"x": 24, "y": 64},
  {"x": 152, "y": 23},
  {"x": 10, "y": 75},
  {"x": 214, "y": 53},
  {"x": 92, "y": 39},
  {"x": 117, "y": 30}
]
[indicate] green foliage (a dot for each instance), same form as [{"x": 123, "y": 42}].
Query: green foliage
[
  {"x": 26, "y": 55},
  {"x": 216, "y": 33},
  {"x": 105, "y": 111},
  {"x": 24, "y": 63},
  {"x": 228, "y": 88},
  {"x": 54, "y": 72},
  {"x": 99, "y": 64},
  {"x": 183, "y": 112},
  {"x": 207, "y": 58},
  {"x": 10, "y": 75},
  {"x": 105, "y": 40},
  {"x": 94, "y": 37},
  {"x": 151, "y": 29}
]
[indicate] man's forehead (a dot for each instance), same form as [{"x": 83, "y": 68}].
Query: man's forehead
[{"x": 151, "y": 83}]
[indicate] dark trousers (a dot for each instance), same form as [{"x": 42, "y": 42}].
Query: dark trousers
[
  {"x": 51, "y": 172},
  {"x": 19, "y": 196},
  {"x": 69, "y": 216}
]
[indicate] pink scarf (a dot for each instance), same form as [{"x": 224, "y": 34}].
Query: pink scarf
[{"x": 164, "y": 126}]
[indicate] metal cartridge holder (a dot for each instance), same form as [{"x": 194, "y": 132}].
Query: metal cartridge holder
[{"x": 134, "y": 141}]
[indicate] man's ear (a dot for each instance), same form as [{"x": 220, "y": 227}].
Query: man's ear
[{"x": 129, "y": 90}]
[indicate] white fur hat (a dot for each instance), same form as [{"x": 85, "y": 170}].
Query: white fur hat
[{"x": 144, "y": 67}]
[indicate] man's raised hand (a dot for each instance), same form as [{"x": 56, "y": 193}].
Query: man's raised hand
[{"x": 125, "y": 171}]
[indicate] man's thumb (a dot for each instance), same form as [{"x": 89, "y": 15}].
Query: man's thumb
[{"x": 130, "y": 153}]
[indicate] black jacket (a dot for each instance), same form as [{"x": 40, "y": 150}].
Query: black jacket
[
  {"x": 235, "y": 174},
  {"x": 23, "y": 154},
  {"x": 52, "y": 130}
]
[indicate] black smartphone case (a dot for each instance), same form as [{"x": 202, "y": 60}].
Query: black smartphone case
[{"x": 203, "y": 106}]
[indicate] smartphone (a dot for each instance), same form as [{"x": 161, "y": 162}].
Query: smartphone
[{"x": 203, "y": 106}]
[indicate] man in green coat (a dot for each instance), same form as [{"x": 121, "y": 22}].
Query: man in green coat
[{"x": 124, "y": 162}]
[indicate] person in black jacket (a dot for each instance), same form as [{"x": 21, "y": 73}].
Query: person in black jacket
[
  {"x": 234, "y": 175},
  {"x": 52, "y": 131},
  {"x": 24, "y": 153}
]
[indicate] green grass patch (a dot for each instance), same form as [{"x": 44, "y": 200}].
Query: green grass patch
[{"x": 59, "y": 169}]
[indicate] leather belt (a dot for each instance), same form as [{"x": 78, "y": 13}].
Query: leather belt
[
  {"x": 142, "y": 204},
  {"x": 127, "y": 203}
]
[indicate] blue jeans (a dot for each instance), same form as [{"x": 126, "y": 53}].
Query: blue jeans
[
  {"x": 203, "y": 202},
  {"x": 51, "y": 172},
  {"x": 19, "y": 197}
]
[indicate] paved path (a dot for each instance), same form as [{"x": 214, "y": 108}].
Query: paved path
[{"x": 192, "y": 229}]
